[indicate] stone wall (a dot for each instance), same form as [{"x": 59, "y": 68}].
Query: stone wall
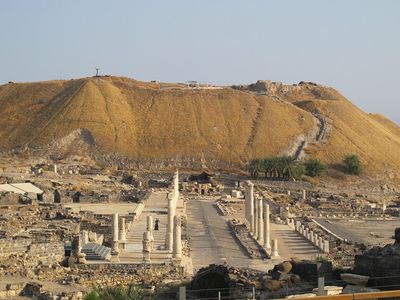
[
  {"x": 101, "y": 275},
  {"x": 29, "y": 253}
]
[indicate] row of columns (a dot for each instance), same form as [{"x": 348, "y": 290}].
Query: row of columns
[
  {"x": 173, "y": 239},
  {"x": 312, "y": 236},
  {"x": 173, "y": 236},
  {"x": 257, "y": 216}
]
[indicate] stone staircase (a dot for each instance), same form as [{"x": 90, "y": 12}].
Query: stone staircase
[
  {"x": 96, "y": 252},
  {"x": 156, "y": 206}
]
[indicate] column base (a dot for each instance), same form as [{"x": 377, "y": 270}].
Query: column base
[
  {"x": 274, "y": 254},
  {"x": 122, "y": 245},
  {"x": 114, "y": 258}
]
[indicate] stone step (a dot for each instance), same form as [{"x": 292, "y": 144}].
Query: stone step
[
  {"x": 139, "y": 255},
  {"x": 96, "y": 252}
]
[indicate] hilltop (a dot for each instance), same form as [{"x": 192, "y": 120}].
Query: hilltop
[{"x": 212, "y": 127}]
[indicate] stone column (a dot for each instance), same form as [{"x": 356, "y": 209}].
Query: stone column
[
  {"x": 85, "y": 237},
  {"x": 150, "y": 226},
  {"x": 170, "y": 225},
  {"x": 260, "y": 232},
  {"x": 255, "y": 231},
  {"x": 147, "y": 246},
  {"x": 55, "y": 168},
  {"x": 304, "y": 194},
  {"x": 267, "y": 229},
  {"x": 249, "y": 205},
  {"x": 114, "y": 246},
  {"x": 274, "y": 252},
  {"x": 288, "y": 192},
  {"x": 252, "y": 206},
  {"x": 176, "y": 182},
  {"x": 122, "y": 234},
  {"x": 177, "y": 249}
]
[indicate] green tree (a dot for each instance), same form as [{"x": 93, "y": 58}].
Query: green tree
[
  {"x": 255, "y": 167},
  {"x": 314, "y": 167},
  {"x": 352, "y": 164}
]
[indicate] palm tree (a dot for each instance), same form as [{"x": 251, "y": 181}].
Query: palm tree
[{"x": 255, "y": 167}]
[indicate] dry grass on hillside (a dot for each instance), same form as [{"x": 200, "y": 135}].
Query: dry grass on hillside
[{"x": 142, "y": 121}]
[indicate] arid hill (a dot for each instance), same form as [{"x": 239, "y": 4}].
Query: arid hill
[{"x": 195, "y": 125}]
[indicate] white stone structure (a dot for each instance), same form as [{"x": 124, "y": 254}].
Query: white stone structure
[
  {"x": 170, "y": 225},
  {"x": 274, "y": 251},
  {"x": 249, "y": 205},
  {"x": 150, "y": 226},
  {"x": 85, "y": 237},
  {"x": 255, "y": 216},
  {"x": 260, "y": 221},
  {"x": 176, "y": 188},
  {"x": 115, "y": 247},
  {"x": 267, "y": 229},
  {"x": 147, "y": 246},
  {"x": 177, "y": 247},
  {"x": 312, "y": 236},
  {"x": 122, "y": 234}
]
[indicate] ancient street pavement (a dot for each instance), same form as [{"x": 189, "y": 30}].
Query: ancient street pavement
[{"x": 211, "y": 239}]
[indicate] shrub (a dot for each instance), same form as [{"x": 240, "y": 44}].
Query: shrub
[
  {"x": 116, "y": 293},
  {"x": 352, "y": 164},
  {"x": 314, "y": 167}
]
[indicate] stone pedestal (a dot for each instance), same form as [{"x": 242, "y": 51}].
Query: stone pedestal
[
  {"x": 260, "y": 219},
  {"x": 76, "y": 247},
  {"x": 274, "y": 251},
  {"x": 147, "y": 246},
  {"x": 267, "y": 229},
  {"x": 177, "y": 247}
]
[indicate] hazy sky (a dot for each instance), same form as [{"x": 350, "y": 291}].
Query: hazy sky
[{"x": 351, "y": 45}]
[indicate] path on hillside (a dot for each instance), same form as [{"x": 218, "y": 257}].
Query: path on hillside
[
  {"x": 316, "y": 137},
  {"x": 211, "y": 239}
]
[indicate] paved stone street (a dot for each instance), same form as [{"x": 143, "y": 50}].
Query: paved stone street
[
  {"x": 213, "y": 242},
  {"x": 211, "y": 239}
]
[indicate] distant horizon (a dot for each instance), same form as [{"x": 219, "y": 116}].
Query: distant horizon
[{"x": 351, "y": 46}]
